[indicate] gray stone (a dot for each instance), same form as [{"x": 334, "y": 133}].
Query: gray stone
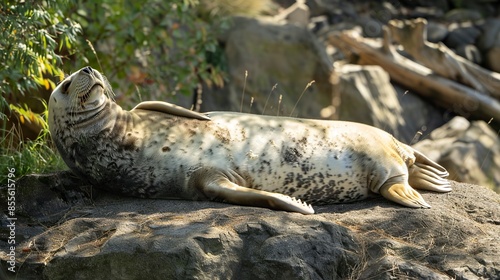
[
  {"x": 48, "y": 203},
  {"x": 493, "y": 59},
  {"x": 420, "y": 117},
  {"x": 469, "y": 150},
  {"x": 367, "y": 96},
  {"x": 463, "y": 15},
  {"x": 436, "y": 32},
  {"x": 461, "y": 34},
  {"x": 490, "y": 36},
  {"x": 130, "y": 238},
  {"x": 489, "y": 43},
  {"x": 372, "y": 28},
  {"x": 273, "y": 54}
]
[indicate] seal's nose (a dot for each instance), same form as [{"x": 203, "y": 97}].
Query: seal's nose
[{"x": 87, "y": 70}]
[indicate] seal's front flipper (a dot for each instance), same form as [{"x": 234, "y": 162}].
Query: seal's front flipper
[
  {"x": 171, "y": 109},
  {"x": 222, "y": 188},
  {"x": 403, "y": 194}
]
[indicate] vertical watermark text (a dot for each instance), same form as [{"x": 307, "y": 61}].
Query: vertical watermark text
[{"x": 11, "y": 218}]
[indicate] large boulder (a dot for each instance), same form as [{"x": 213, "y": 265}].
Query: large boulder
[
  {"x": 116, "y": 237},
  {"x": 366, "y": 95},
  {"x": 469, "y": 150},
  {"x": 272, "y": 54},
  {"x": 489, "y": 43}
]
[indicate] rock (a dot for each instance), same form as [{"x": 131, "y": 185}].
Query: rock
[
  {"x": 462, "y": 15},
  {"x": 436, "y": 32},
  {"x": 273, "y": 54},
  {"x": 320, "y": 7},
  {"x": 489, "y": 43},
  {"x": 420, "y": 116},
  {"x": 461, "y": 34},
  {"x": 493, "y": 59},
  {"x": 423, "y": 12},
  {"x": 48, "y": 204},
  {"x": 469, "y": 150},
  {"x": 490, "y": 36},
  {"x": 372, "y": 28},
  {"x": 130, "y": 238},
  {"x": 225, "y": 8},
  {"x": 367, "y": 96}
]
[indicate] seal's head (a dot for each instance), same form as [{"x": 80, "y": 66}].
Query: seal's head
[
  {"x": 80, "y": 108},
  {"x": 78, "y": 98}
]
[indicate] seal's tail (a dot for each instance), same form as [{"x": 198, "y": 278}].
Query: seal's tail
[{"x": 426, "y": 174}]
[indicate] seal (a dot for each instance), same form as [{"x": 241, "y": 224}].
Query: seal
[{"x": 159, "y": 150}]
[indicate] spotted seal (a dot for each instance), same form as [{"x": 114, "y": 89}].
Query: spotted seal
[{"x": 159, "y": 150}]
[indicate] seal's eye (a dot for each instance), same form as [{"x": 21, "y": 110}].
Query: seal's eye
[{"x": 66, "y": 86}]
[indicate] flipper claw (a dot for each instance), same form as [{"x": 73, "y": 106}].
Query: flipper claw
[{"x": 289, "y": 203}]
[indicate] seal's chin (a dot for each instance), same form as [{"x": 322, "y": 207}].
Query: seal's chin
[
  {"x": 93, "y": 93},
  {"x": 93, "y": 99}
]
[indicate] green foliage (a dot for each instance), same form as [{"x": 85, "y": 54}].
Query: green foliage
[
  {"x": 32, "y": 34},
  {"x": 37, "y": 156},
  {"x": 150, "y": 47},
  {"x": 35, "y": 36},
  {"x": 159, "y": 47}
]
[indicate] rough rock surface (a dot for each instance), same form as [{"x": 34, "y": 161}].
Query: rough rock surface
[{"x": 126, "y": 238}]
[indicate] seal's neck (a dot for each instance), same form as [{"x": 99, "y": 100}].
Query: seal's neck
[{"x": 99, "y": 119}]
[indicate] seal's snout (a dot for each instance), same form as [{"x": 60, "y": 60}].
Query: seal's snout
[{"x": 87, "y": 70}]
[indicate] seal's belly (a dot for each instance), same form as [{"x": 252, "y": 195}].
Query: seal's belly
[{"x": 318, "y": 161}]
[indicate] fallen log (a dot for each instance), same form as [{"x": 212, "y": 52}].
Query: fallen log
[
  {"x": 412, "y": 35},
  {"x": 453, "y": 96}
]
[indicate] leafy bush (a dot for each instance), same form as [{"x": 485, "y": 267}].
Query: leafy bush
[
  {"x": 151, "y": 48},
  {"x": 33, "y": 33},
  {"x": 35, "y": 36},
  {"x": 34, "y": 156}
]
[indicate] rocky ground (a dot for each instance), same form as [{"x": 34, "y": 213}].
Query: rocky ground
[{"x": 65, "y": 231}]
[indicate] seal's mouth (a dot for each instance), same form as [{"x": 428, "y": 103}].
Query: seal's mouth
[{"x": 83, "y": 98}]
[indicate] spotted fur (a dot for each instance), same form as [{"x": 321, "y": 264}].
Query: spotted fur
[{"x": 157, "y": 152}]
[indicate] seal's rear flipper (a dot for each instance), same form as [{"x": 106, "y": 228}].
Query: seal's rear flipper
[
  {"x": 424, "y": 177},
  {"x": 222, "y": 188},
  {"x": 428, "y": 175},
  {"x": 402, "y": 193}
]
